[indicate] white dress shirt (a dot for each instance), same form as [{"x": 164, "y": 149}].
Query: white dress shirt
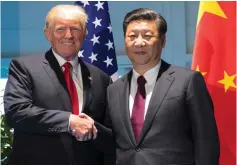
[
  {"x": 150, "y": 77},
  {"x": 76, "y": 76}
]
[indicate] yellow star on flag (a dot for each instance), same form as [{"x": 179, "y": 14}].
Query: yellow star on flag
[
  {"x": 211, "y": 7},
  {"x": 228, "y": 81},
  {"x": 203, "y": 73}
]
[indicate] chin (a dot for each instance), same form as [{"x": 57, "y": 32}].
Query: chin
[
  {"x": 69, "y": 56},
  {"x": 140, "y": 63}
]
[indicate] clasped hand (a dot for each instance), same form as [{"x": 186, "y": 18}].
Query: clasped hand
[{"x": 82, "y": 127}]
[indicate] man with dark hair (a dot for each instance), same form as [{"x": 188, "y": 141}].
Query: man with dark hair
[{"x": 161, "y": 114}]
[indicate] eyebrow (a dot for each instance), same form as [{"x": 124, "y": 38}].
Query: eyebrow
[
  {"x": 140, "y": 31},
  {"x": 68, "y": 26}
]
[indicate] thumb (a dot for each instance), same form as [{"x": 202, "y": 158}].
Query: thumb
[{"x": 83, "y": 115}]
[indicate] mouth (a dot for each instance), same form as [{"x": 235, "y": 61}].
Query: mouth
[
  {"x": 67, "y": 43},
  {"x": 140, "y": 53}
]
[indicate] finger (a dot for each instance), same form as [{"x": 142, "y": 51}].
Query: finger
[
  {"x": 84, "y": 138},
  {"x": 83, "y": 115},
  {"x": 77, "y": 134},
  {"x": 86, "y": 135},
  {"x": 80, "y": 137},
  {"x": 74, "y": 133},
  {"x": 90, "y": 119},
  {"x": 95, "y": 131},
  {"x": 90, "y": 135}
]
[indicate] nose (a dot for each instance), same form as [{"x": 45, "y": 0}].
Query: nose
[
  {"x": 68, "y": 33},
  {"x": 140, "y": 42}
]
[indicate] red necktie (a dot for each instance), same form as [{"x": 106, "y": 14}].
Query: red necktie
[
  {"x": 138, "y": 110},
  {"x": 71, "y": 87}
]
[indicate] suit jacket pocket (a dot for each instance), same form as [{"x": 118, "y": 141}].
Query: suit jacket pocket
[{"x": 169, "y": 97}]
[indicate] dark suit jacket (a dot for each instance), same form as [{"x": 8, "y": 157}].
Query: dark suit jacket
[
  {"x": 179, "y": 127},
  {"x": 37, "y": 105}
]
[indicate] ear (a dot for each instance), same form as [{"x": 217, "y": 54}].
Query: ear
[
  {"x": 163, "y": 41},
  {"x": 124, "y": 41},
  {"x": 47, "y": 34},
  {"x": 85, "y": 34}
]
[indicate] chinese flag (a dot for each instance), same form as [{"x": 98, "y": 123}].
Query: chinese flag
[{"x": 215, "y": 57}]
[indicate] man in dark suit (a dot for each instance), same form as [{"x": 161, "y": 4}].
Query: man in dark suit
[
  {"x": 160, "y": 114},
  {"x": 56, "y": 102}
]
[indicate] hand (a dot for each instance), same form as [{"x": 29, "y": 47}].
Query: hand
[
  {"x": 82, "y": 127},
  {"x": 94, "y": 130}
]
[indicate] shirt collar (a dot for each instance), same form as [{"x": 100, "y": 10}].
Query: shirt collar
[
  {"x": 149, "y": 75},
  {"x": 62, "y": 61}
]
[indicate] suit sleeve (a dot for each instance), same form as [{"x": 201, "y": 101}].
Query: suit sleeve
[
  {"x": 204, "y": 129},
  {"x": 20, "y": 111},
  {"x": 110, "y": 157},
  {"x": 104, "y": 139}
]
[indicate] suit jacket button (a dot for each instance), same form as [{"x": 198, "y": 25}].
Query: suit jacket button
[{"x": 138, "y": 149}]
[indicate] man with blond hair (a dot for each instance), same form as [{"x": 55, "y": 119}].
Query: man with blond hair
[{"x": 56, "y": 102}]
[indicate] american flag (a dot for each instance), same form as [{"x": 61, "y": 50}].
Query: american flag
[{"x": 98, "y": 47}]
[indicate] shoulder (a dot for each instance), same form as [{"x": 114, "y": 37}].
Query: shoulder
[
  {"x": 183, "y": 73},
  {"x": 95, "y": 71},
  {"x": 120, "y": 81},
  {"x": 184, "y": 77},
  {"x": 28, "y": 60}
]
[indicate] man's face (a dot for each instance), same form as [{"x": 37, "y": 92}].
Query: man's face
[
  {"x": 143, "y": 44},
  {"x": 66, "y": 37}
]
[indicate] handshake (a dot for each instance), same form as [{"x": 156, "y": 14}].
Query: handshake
[{"x": 82, "y": 127}]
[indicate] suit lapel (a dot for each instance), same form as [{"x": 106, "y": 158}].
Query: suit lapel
[
  {"x": 87, "y": 85},
  {"x": 55, "y": 73},
  {"x": 163, "y": 83},
  {"x": 124, "y": 90}
]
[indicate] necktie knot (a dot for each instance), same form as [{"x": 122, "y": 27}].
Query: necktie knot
[
  {"x": 67, "y": 65},
  {"x": 141, "y": 81}
]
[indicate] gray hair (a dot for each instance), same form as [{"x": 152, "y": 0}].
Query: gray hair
[{"x": 66, "y": 11}]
